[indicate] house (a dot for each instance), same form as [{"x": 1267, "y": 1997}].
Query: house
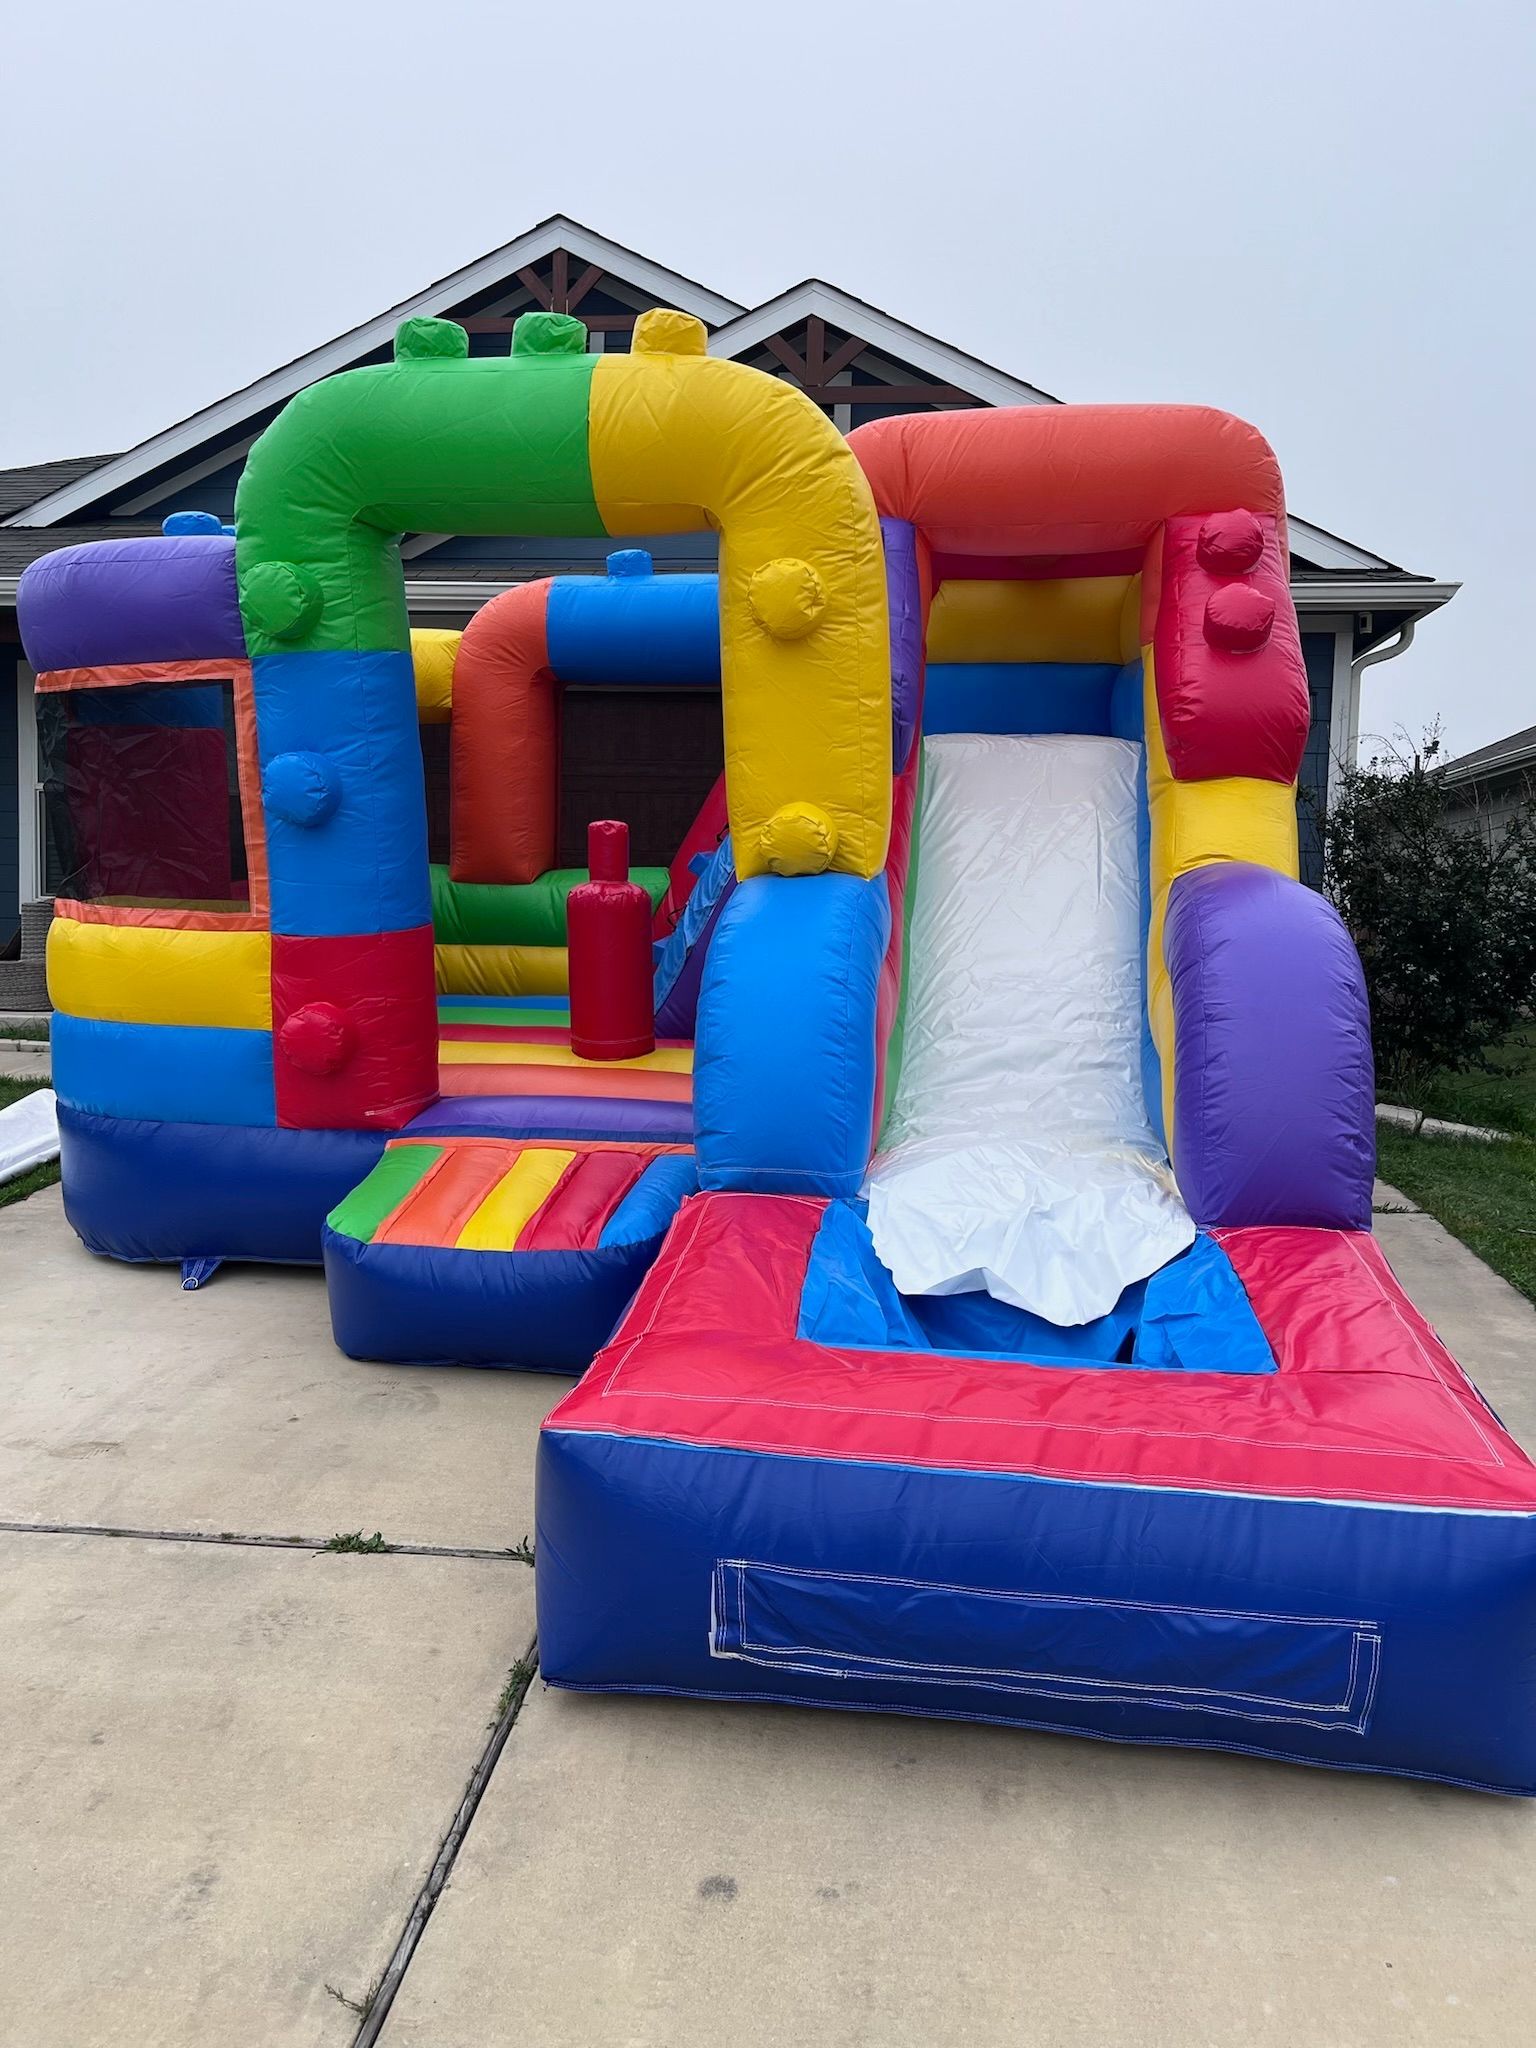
[
  {"x": 1492, "y": 783},
  {"x": 857, "y": 362}
]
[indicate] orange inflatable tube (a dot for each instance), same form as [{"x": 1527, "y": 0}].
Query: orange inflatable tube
[
  {"x": 504, "y": 749},
  {"x": 1103, "y": 477}
]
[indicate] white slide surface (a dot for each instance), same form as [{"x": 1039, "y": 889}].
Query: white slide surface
[
  {"x": 29, "y": 1133},
  {"x": 1019, "y": 1158}
]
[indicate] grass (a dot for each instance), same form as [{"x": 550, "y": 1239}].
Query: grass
[
  {"x": 24, "y": 1027},
  {"x": 519, "y": 1677},
  {"x": 1484, "y": 1194},
  {"x": 355, "y": 1543},
  {"x": 40, "y": 1176},
  {"x": 1505, "y": 1098}
]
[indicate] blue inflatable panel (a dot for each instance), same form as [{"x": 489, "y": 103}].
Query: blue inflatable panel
[
  {"x": 784, "y": 1063},
  {"x": 1190, "y": 1316},
  {"x": 647, "y": 1210},
  {"x": 680, "y": 958},
  {"x": 635, "y": 629},
  {"x": 548, "y": 1309},
  {"x": 163, "y": 1072},
  {"x": 1361, "y": 1637},
  {"x": 146, "y": 1191},
  {"x": 407, "y": 1304},
  {"x": 1018, "y": 696},
  {"x": 363, "y": 867}
]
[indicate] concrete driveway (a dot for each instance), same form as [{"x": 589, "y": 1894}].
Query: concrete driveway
[{"x": 254, "y": 1790}]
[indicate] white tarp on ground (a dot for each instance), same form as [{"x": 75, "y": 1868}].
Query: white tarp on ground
[
  {"x": 29, "y": 1133},
  {"x": 1019, "y": 1158}
]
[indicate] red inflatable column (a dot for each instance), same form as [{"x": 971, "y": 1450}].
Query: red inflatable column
[{"x": 608, "y": 930}]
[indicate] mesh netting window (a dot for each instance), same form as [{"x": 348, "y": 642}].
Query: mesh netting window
[
  {"x": 141, "y": 796},
  {"x": 648, "y": 756},
  {"x": 435, "y": 763}
]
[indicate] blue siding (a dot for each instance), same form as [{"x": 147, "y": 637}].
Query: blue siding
[
  {"x": 1316, "y": 763},
  {"x": 10, "y": 863}
]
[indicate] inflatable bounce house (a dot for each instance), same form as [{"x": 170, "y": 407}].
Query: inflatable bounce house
[{"x": 948, "y": 1166}]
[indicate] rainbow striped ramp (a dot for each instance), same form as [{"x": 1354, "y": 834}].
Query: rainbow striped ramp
[{"x": 494, "y": 1251}]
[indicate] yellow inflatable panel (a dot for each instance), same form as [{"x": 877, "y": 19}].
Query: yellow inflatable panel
[
  {"x": 433, "y": 652},
  {"x": 1130, "y": 620},
  {"x": 1231, "y": 817},
  {"x": 502, "y": 971},
  {"x": 1071, "y": 618},
  {"x": 526, "y": 1185},
  {"x": 684, "y": 441},
  {"x": 139, "y": 974}
]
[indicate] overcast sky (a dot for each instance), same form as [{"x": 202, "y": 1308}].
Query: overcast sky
[{"x": 1318, "y": 216}]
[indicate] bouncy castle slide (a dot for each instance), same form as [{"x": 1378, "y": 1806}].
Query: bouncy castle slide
[
  {"x": 1019, "y": 1424},
  {"x": 1009, "y": 1340}
]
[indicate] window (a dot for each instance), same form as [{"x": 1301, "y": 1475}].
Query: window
[{"x": 141, "y": 796}]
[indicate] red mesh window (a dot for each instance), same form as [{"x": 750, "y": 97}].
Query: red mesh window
[{"x": 142, "y": 796}]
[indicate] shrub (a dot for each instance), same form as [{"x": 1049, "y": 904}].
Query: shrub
[{"x": 1444, "y": 917}]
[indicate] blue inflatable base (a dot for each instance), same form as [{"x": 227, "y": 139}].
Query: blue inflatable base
[
  {"x": 162, "y": 1193},
  {"x": 405, "y": 1304},
  {"x": 1357, "y": 1637}
]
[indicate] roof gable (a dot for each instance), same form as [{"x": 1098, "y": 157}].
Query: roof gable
[
  {"x": 882, "y": 334},
  {"x": 234, "y": 422},
  {"x": 854, "y": 358}
]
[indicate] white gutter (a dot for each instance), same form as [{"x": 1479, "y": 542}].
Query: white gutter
[
  {"x": 1339, "y": 595},
  {"x": 443, "y": 594}
]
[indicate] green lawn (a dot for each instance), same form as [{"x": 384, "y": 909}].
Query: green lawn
[
  {"x": 1483, "y": 1194},
  {"x": 1506, "y": 1098},
  {"x": 40, "y": 1176}
]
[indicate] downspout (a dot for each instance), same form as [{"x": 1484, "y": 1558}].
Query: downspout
[
  {"x": 1390, "y": 652},
  {"x": 1361, "y": 662},
  {"x": 1385, "y": 1113}
]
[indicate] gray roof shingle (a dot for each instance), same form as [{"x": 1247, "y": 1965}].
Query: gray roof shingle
[
  {"x": 22, "y": 487},
  {"x": 1515, "y": 751}
]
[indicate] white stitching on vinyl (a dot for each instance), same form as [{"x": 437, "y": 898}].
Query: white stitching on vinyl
[
  {"x": 738, "y": 1399},
  {"x": 1180, "y": 1483},
  {"x": 1065, "y": 1599},
  {"x": 1349, "y": 1712}
]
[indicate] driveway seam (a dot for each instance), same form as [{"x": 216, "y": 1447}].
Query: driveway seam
[
  {"x": 234, "y": 1540},
  {"x": 447, "y": 1855}
]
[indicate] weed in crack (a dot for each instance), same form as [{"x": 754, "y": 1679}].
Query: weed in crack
[
  {"x": 518, "y": 1676},
  {"x": 361, "y": 2006}
]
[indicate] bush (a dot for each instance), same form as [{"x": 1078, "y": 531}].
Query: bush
[{"x": 1444, "y": 917}]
